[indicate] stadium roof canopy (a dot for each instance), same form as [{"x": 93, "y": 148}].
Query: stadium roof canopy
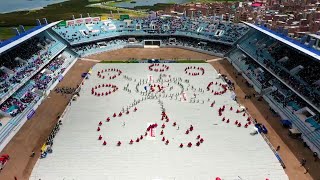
[
  {"x": 10, "y": 43},
  {"x": 287, "y": 40}
]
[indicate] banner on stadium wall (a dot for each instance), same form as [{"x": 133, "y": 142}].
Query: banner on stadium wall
[
  {"x": 95, "y": 19},
  {"x": 124, "y": 16},
  {"x": 82, "y": 21},
  {"x": 79, "y": 21},
  {"x": 62, "y": 24},
  {"x": 104, "y": 18},
  {"x": 70, "y": 23},
  {"x": 30, "y": 114},
  {"x": 87, "y": 20}
]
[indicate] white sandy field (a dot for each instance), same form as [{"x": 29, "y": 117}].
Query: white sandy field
[{"x": 228, "y": 151}]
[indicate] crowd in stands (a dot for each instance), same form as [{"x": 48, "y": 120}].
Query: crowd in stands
[
  {"x": 280, "y": 93},
  {"x": 42, "y": 80},
  {"x": 207, "y": 28},
  {"x": 263, "y": 78},
  {"x": 24, "y": 96},
  {"x": 28, "y": 97},
  {"x": 281, "y": 59},
  {"x": 203, "y": 45},
  {"x": 13, "y": 106},
  {"x": 23, "y": 60}
]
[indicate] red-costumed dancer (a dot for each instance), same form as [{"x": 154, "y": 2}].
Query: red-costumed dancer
[
  {"x": 98, "y": 129},
  {"x": 198, "y": 137},
  {"x": 167, "y": 142},
  {"x": 137, "y": 140},
  {"x": 161, "y": 133},
  {"x": 189, "y": 144},
  {"x": 163, "y": 139},
  {"x": 104, "y": 143},
  {"x": 187, "y": 132},
  {"x": 163, "y": 126},
  {"x": 119, "y": 143},
  {"x": 100, "y": 123},
  {"x": 131, "y": 141},
  {"x": 198, "y": 143},
  {"x": 201, "y": 140},
  {"x": 181, "y": 145},
  {"x": 100, "y": 137}
]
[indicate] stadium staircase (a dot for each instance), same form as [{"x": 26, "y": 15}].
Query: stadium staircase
[{"x": 22, "y": 91}]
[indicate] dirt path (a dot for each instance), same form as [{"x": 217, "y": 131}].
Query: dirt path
[
  {"x": 151, "y": 53},
  {"x": 291, "y": 150},
  {"x": 36, "y": 130}
]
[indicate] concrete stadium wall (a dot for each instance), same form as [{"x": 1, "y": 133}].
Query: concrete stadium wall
[
  {"x": 98, "y": 38},
  {"x": 193, "y": 49}
]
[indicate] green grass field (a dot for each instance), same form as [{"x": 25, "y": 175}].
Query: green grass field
[
  {"x": 6, "y": 32},
  {"x": 55, "y": 12}
]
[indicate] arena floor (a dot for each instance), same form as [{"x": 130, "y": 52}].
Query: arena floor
[
  {"x": 228, "y": 151},
  {"x": 36, "y": 130},
  {"x": 20, "y": 147},
  {"x": 151, "y": 53}
]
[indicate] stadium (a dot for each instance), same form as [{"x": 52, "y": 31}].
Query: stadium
[{"x": 151, "y": 98}]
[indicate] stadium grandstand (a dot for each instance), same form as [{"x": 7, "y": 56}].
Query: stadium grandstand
[{"x": 285, "y": 72}]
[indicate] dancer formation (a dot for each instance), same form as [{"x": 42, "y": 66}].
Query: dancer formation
[
  {"x": 194, "y": 71},
  {"x": 164, "y": 86},
  {"x": 101, "y": 73}
]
